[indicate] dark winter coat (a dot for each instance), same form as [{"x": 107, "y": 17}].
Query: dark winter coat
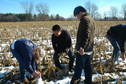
[
  {"x": 62, "y": 42},
  {"x": 85, "y": 33},
  {"x": 118, "y": 32}
]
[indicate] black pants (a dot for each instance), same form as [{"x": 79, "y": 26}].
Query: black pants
[{"x": 71, "y": 57}]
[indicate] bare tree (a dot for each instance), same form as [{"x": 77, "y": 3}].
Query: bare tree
[
  {"x": 28, "y": 8},
  {"x": 88, "y": 6},
  {"x": 91, "y": 8},
  {"x": 113, "y": 12},
  {"x": 43, "y": 10},
  {"x": 57, "y": 17},
  {"x": 97, "y": 16},
  {"x": 124, "y": 10},
  {"x": 105, "y": 16}
]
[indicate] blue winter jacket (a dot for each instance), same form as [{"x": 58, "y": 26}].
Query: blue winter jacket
[{"x": 25, "y": 49}]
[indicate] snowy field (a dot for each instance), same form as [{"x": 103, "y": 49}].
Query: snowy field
[
  {"x": 104, "y": 70},
  {"x": 111, "y": 78}
]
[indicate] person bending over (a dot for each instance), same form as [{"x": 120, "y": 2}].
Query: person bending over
[{"x": 27, "y": 54}]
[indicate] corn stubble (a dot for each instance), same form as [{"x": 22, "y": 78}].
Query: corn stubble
[{"x": 41, "y": 31}]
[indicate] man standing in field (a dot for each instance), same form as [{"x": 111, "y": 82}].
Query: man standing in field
[
  {"x": 117, "y": 37},
  {"x": 84, "y": 45},
  {"x": 61, "y": 41}
]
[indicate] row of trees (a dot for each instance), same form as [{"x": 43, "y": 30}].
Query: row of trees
[
  {"x": 41, "y": 8},
  {"x": 43, "y": 13},
  {"x": 10, "y": 17},
  {"x": 112, "y": 14}
]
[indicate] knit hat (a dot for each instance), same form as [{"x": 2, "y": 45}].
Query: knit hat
[{"x": 79, "y": 9}]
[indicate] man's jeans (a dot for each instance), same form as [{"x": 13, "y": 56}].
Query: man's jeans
[
  {"x": 71, "y": 57},
  {"x": 116, "y": 47},
  {"x": 20, "y": 61},
  {"x": 82, "y": 62}
]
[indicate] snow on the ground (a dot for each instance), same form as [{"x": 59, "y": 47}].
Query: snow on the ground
[
  {"x": 2, "y": 46},
  {"x": 5, "y": 70},
  {"x": 66, "y": 80}
]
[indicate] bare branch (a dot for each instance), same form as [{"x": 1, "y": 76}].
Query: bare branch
[
  {"x": 28, "y": 7},
  {"x": 42, "y": 8},
  {"x": 91, "y": 8},
  {"x": 124, "y": 10},
  {"x": 113, "y": 12}
]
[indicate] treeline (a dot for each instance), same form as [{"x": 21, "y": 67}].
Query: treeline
[
  {"x": 43, "y": 13},
  {"x": 10, "y": 17}
]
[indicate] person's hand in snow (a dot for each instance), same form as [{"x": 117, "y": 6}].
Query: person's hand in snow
[{"x": 36, "y": 74}]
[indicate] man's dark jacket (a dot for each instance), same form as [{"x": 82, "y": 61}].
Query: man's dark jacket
[
  {"x": 85, "y": 33},
  {"x": 118, "y": 32},
  {"x": 62, "y": 42}
]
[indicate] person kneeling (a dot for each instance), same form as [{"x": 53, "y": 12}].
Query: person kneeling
[{"x": 61, "y": 41}]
